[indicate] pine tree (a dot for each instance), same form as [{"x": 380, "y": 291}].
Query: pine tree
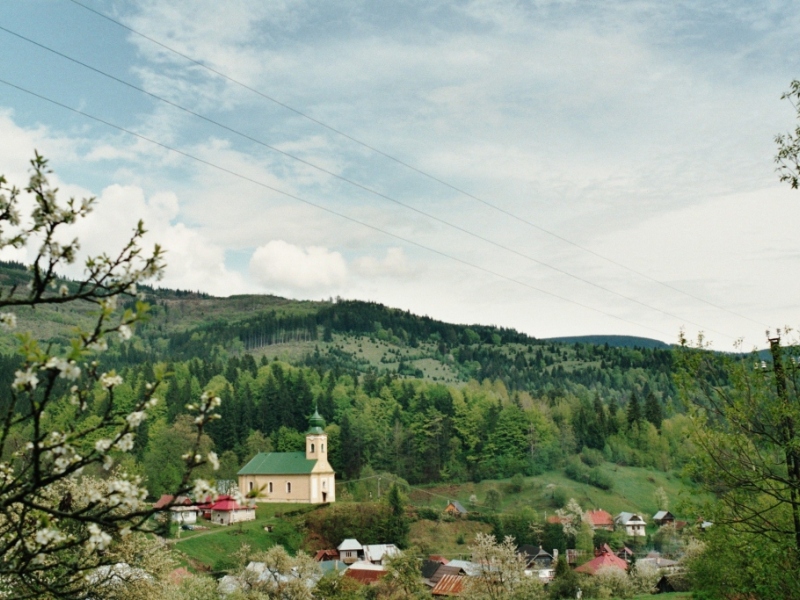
[
  {"x": 652, "y": 410},
  {"x": 397, "y": 526},
  {"x": 634, "y": 412}
]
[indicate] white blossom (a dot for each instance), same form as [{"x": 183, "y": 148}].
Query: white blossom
[
  {"x": 70, "y": 371},
  {"x": 102, "y": 445},
  {"x": 125, "y": 332},
  {"x": 63, "y": 290},
  {"x": 110, "y": 302},
  {"x": 135, "y": 418},
  {"x": 98, "y": 539},
  {"x": 108, "y": 462},
  {"x": 47, "y": 536},
  {"x": 109, "y": 380},
  {"x": 125, "y": 443},
  {"x": 25, "y": 379},
  {"x": 202, "y": 489},
  {"x": 100, "y": 345},
  {"x": 214, "y": 460},
  {"x": 8, "y": 321}
]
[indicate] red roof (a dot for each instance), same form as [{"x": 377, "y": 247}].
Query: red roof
[
  {"x": 438, "y": 558},
  {"x": 164, "y": 501},
  {"x": 600, "y": 518},
  {"x": 554, "y": 519},
  {"x": 604, "y": 560},
  {"x": 326, "y": 555},
  {"x": 449, "y": 585},
  {"x": 365, "y": 576},
  {"x": 226, "y": 503}
]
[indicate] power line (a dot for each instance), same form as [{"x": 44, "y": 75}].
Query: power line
[
  {"x": 416, "y": 169},
  {"x": 324, "y": 208},
  {"x": 353, "y": 183}
]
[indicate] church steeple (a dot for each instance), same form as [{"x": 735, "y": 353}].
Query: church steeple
[
  {"x": 316, "y": 438},
  {"x": 316, "y": 423}
]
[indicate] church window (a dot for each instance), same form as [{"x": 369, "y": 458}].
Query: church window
[
  {"x": 288, "y": 487},
  {"x": 322, "y": 448},
  {"x": 251, "y": 486},
  {"x": 270, "y": 487},
  {"x": 324, "y": 481},
  {"x": 312, "y": 448}
]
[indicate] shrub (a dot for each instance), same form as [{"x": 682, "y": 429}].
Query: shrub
[
  {"x": 592, "y": 457},
  {"x": 516, "y": 484},
  {"x": 429, "y": 514}
]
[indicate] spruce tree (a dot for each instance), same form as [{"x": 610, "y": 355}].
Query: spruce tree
[
  {"x": 634, "y": 412},
  {"x": 652, "y": 410}
]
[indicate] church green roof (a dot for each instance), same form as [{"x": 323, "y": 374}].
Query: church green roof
[
  {"x": 316, "y": 423},
  {"x": 278, "y": 463}
]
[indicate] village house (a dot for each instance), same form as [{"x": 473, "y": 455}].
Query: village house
[
  {"x": 379, "y": 554},
  {"x": 226, "y": 511},
  {"x": 633, "y": 524},
  {"x": 350, "y": 551},
  {"x": 305, "y": 477},
  {"x": 603, "y": 560},
  {"x": 600, "y": 519},
  {"x": 455, "y": 508},
  {"x": 663, "y": 517},
  {"x": 181, "y": 509}
]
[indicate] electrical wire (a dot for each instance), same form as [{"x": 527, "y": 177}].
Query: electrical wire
[
  {"x": 354, "y": 183},
  {"x": 415, "y": 169},
  {"x": 326, "y": 209}
]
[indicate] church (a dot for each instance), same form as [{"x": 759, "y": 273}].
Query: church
[{"x": 305, "y": 477}]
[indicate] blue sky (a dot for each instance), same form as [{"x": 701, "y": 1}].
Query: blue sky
[{"x": 640, "y": 131}]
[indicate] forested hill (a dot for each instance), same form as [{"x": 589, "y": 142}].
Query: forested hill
[
  {"x": 367, "y": 339},
  {"x": 420, "y": 398}
]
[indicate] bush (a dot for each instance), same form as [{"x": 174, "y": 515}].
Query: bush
[
  {"x": 592, "y": 457},
  {"x": 516, "y": 484},
  {"x": 559, "y": 498},
  {"x": 429, "y": 514},
  {"x": 601, "y": 480}
]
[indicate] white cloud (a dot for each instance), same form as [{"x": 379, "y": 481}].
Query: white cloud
[
  {"x": 282, "y": 266},
  {"x": 394, "y": 264}
]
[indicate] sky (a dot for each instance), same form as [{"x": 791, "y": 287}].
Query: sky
[{"x": 563, "y": 168}]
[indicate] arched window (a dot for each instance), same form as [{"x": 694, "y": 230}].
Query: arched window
[
  {"x": 312, "y": 448},
  {"x": 288, "y": 487},
  {"x": 324, "y": 481},
  {"x": 251, "y": 486},
  {"x": 270, "y": 487},
  {"x": 322, "y": 448}
]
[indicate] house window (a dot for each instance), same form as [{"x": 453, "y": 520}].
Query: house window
[
  {"x": 270, "y": 487},
  {"x": 312, "y": 448},
  {"x": 288, "y": 487}
]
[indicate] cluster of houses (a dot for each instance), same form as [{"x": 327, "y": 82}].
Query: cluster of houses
[{"x": 225, "y": 510}]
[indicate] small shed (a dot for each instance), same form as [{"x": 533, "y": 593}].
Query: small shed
[
  {"x": 663, "y": 517},
  {"x": 455, "y": 508},
  {"x": 378, "y": 554}
]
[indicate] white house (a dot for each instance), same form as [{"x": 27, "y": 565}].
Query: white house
[
  {"x": 379, "y": 554},
  {"x": 634, "y": 524},
  {"x": 350, "y": 550},
  {"x": 227, "y": 511}
]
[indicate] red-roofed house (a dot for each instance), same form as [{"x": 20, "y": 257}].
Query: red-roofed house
[
  {"x": 326, "y": 555},
  {"x": 365, "y": 572},
  {"x": 605, "y": 559},
  {"x": 600, "y": 519},
  {"x": 227, "y": 511}
]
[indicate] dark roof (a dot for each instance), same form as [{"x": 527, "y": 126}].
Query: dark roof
[
  {"x": 442, "y": 571},
  {"x": 331, "y": 554},
  {"x": 429, "y": 567},
  {"x": 278, "y": 463}
]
